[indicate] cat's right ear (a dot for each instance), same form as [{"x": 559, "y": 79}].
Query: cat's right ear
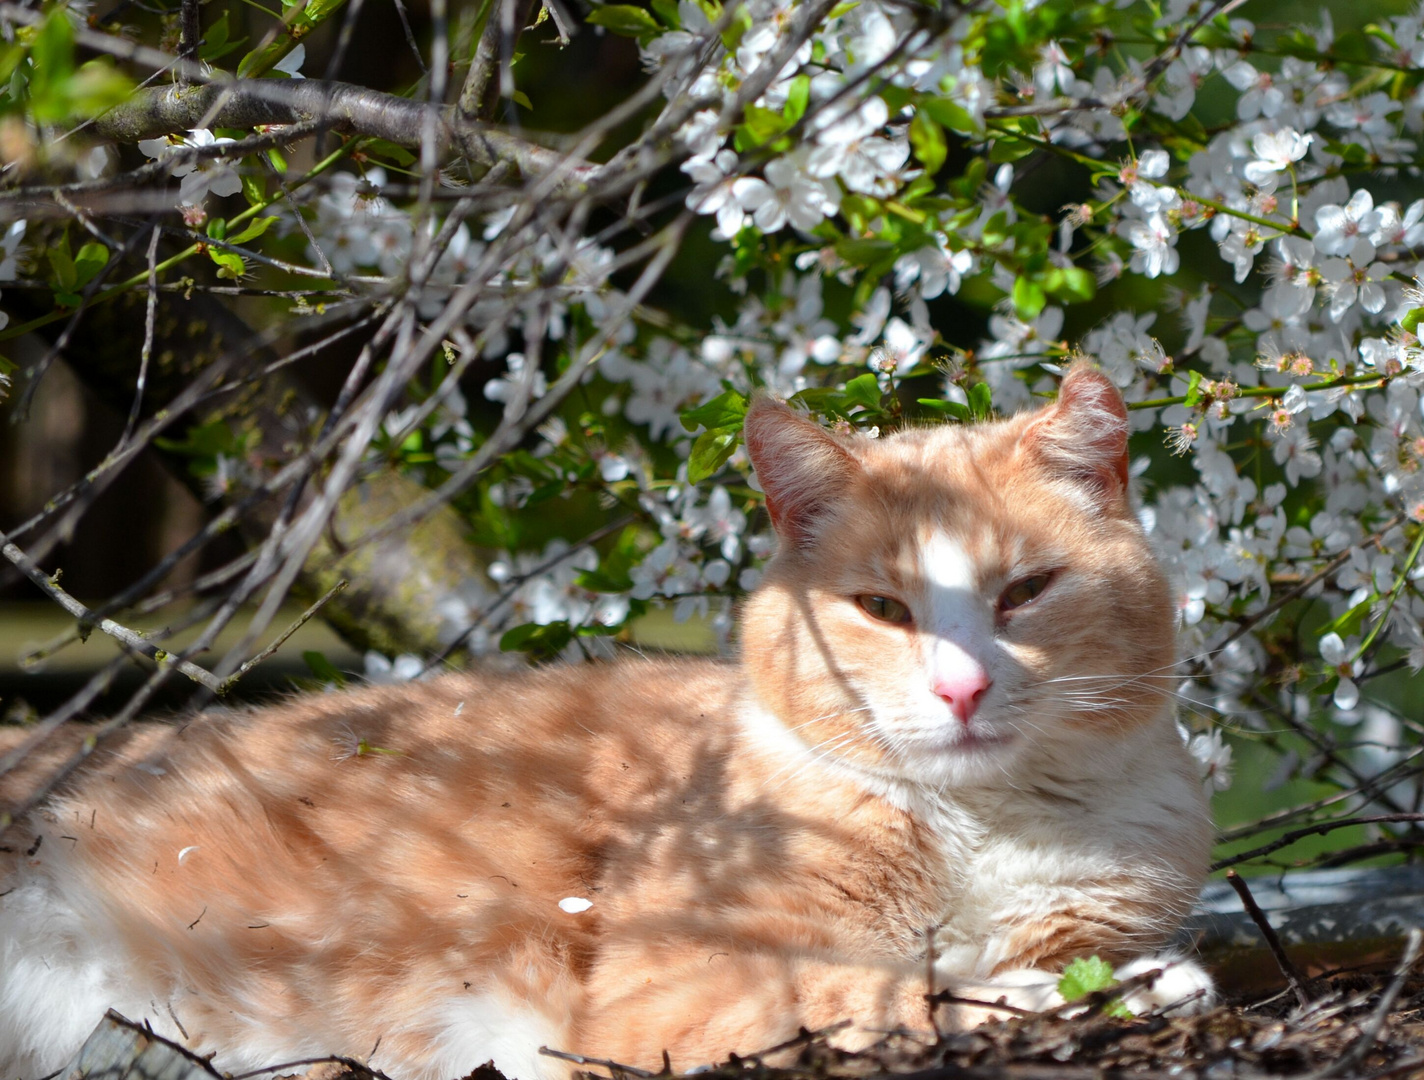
[{"x": 801, "y": 467}]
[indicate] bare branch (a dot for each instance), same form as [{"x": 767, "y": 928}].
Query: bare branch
[
  {"x": 134, "y": 641},
  {"x": 503, "y": 22}
]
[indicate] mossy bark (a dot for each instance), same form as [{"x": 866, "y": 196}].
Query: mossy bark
[{"x": 397, "y": 585}]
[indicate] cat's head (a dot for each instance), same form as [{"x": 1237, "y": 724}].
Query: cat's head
[{"x": 947, "y": 598}]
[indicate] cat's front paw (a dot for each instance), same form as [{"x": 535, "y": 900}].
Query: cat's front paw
[
  {"x": 1183, "y": 984},
  {"x": 1021, "y": 990}
]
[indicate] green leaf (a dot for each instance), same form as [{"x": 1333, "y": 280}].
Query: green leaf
[
  {"x": 541, "y": 640},
  {"x": 1070, "y": 283},
  {"x": 384, "y": 148},
  {"x": 1411, "y": 320},
  {"x": 761, "y": 125},
  {"x": 1029, "y": 298},
  {"x": 52, "y": 53},
  {"x": 1010, "y": 150},
  {"x": 230, "y": 264},
  {"x": 254, "y": 188},
  {"x": 951, "y": 409},
  {"x": 91, "y": 259},
  {"x": 865, "y": 252},
  {"x": 255, "y": 228},
  {"x": 739, "y": 24},
  {"x": 612, "y": 574},
  {"x": 1350, "y": 621},
  {"x": 1085, "y": 975},
  {"x": 981, "y": 403},
  {"x": 710, "y": 452},
  {"x": 864, "y": 390},
  {"x": 323, "y": 669},
  {"x": 666, "y": 10},
  {"x": 626, "y": 20},
  {"x": 797, "y": 98},
  {"x": 726, "y": 410},
  {"x": 299, "y": 23},
  {"x": 927, "y": 140},
  {"x": 62, "y": 263},
  {"x": 59, "y": 92},
  {"x": 521, "y": 98},
  {"x": 953, "y": 116},
  {"x": 215, "y": 41},
  {"x": 1193, "y": 396},
  {"x": 1088, "y": 975}
]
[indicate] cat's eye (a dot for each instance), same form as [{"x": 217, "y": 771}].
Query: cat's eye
[
  {"x": 1022, "y": 592},
  {"x": 885, "y": 609}
]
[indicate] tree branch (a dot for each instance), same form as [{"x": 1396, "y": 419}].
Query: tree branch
[
  {"x": 50, "y": 587},
  {"x": 503, "y": 23},
  {"x": 191, "y": 34},
  {"x": 353, "y": 110}
]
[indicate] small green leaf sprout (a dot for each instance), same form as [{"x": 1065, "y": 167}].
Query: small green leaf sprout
[{"x": 1088, "y": 975}]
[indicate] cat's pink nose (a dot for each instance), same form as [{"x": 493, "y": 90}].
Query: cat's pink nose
[{"x": 963, "y": 690}]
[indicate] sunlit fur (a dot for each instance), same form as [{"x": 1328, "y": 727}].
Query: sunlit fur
[{"x": 764, "y": 844}]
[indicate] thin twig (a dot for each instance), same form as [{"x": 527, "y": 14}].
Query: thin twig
[
  {"x": 281, "y": 639},
  {"x": 612, "y": 1066},
  {"x": 1288, "y": 969},
  {"x": 1371, "y": 1031},
  {"x": 147, "y": 349},
  {"x": 1287, "y": 839},
  {"x": 50, "y": 587}
]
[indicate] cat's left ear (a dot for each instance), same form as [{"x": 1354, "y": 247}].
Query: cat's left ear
[
  {"x": 1083, "y": 437},
  {"x": 801, "y": 467}
]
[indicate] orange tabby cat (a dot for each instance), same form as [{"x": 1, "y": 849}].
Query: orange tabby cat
[{"x": 943, "y": 719}]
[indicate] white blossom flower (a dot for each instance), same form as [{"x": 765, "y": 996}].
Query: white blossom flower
[
  {"x": 1348, "y": 283},
  {"x": 1260, "y": 97},
  {"x": 788, "y": 194},
  {"x": 291, "y": 64},
  {"x": 1213, "y": 757},
  {"x": 1295, "y": 450},
  {"x": 1150, "y": 198},
  {"x": 1335, "y": 653},
  {"x": 1275, "y": 151},
  {"x": 1345, "y": 230},
  {"x": 1241, "y": 246},
  {"x": 383, "y": 670},
  {"x": 1153, "y": 241},
  {"x": 1182, "y": 79},
  {"x": 714, "y": 193},
  {"x": 934, "y": 269},
  {"x": 509, "y": 388},
  {"x": 851, "y": 148},
  {"x": 9, "y": 250},
  {"x": 701, "y": 136},
  {"x": 200, "y": 175}
]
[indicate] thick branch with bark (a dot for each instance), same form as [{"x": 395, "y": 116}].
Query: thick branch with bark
[{"x": 349, "y": 109}]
